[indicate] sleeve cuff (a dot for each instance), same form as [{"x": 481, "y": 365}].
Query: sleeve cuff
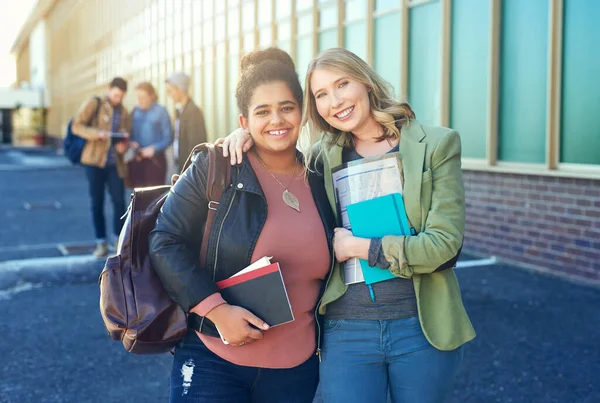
[
  {"x": 376, "y": 255},
  {"x": 208, "y": 304},
  {"x": 393, "y": 249}
]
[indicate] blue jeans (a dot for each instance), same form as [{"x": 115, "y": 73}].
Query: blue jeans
[
  {"x": 363, "y": 361},
  {"x": 98, "y": 179},
  {"x": 200, "y": 376}
]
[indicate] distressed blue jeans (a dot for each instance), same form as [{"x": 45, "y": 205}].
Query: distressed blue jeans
[
  {"x": 363, "y": 361},
  {"x": 200, "y": 376}
]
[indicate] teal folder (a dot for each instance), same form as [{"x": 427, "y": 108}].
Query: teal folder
[{"x": 376, "y": 218}]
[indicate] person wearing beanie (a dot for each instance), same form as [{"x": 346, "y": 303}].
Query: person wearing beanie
[{"x": 189, "y": 122}]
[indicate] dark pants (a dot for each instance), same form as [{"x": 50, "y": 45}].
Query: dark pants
[
  {"x": 200, "y": 376},
  {"x": 148, "y": 171},
  {"x": 98, "y": 179}
]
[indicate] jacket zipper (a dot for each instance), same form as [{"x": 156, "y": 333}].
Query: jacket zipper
[
  {"x": 217, "y": 249},
  {"x": 319, "y": 304},
  {"x": 219, "y": 236}
]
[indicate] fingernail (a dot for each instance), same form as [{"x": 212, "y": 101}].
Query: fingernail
[{"x": 265, "y": 326}]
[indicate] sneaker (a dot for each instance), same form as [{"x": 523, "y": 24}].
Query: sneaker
[{"x": 101, "y": 250}]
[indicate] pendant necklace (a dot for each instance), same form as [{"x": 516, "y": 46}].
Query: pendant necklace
[{"x": 288, "y": 197}]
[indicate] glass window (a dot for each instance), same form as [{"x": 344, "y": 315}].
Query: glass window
[
  {"x": 283, "y": 31},
  {"x": 207, "y": 34},
  {"x": 385, "y": 5},
  {"x": 266, "y": 37},
  {"x": 386, "y": 53},
  {"x": 424, "y": 62},
  {"x": 248, "y": 16},
  {"x": 233, "y": 21},
  {"x": 249, "y": 42},
  {"x": 265, "y": 15},
  {"x": 177, "y": 45},
  {"x": 283, "y": 9},
  {"x": 197, "y": 82},
  {"x": 303, "y": 4},
  {"x": 355, "y": 38},
  {"x": 328, "y": 17},
  {"x": 197, "y": 36},
  {"x": 187, "y": 41},
  {"x": 169, "y": 48},
  {"x": 161, "y": 51},
  {"x": 221, "y": 110},
  {"x": 304, "y": 55},
  {"x": 356, "y": 10},
  {"x": 233, "y": 78},
  {"x": 469, "y": 75},
  {"x": 524, "y": 50},
  {"x": 207, "y": 92},
  {"x": 285, "y": 45},
  {"x": 581, "y": 83},
  {"x": 220, "y": 28},
  {"x": 234, "y": 46},
  {"x": 208, "y": 9},
  {"x": 328, "y": 39},
  {"x": 305, "y": 24},
  {"x": 197, "y": 12}
]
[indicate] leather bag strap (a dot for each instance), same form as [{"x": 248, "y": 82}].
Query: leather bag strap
[{"x": 219, "y": 172}]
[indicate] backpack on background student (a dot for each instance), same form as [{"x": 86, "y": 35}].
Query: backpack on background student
[{"x": 73, "y": 144}]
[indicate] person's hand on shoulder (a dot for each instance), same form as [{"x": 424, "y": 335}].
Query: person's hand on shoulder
[{"x": 235, "y": 145}]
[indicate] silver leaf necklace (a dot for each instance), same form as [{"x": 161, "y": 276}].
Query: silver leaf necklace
[{"x": 288, "y": 197}]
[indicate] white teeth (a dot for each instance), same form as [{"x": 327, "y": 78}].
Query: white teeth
[
  {"x": 278, "y": 132},
  {"x": 345, "y": 113}
]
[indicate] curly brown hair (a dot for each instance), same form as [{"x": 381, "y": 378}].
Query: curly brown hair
[{"x": 263, "y": 67}]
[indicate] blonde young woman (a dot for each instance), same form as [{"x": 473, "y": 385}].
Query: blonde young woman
[{"x": 408, "y": 342}]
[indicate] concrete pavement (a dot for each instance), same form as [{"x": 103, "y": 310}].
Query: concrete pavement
[{"x": 535, "y": 344}]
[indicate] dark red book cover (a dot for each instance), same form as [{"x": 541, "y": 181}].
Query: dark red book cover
[{"x": 262, "y": 292}]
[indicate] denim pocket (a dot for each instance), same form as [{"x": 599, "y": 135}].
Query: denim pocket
[{"x": 330, "y": 326}]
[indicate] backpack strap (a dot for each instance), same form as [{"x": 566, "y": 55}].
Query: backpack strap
[
  {"x": 95, "y": 115},
  {"x": 218, "y": 176}
]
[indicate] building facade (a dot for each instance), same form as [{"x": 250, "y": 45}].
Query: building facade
[{"x": 518, "y": 79}]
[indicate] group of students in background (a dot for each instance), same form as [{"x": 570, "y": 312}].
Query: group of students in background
[{"x": 131, "y": 149}]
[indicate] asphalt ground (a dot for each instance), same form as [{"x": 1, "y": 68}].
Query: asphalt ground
[
  {"x": 536, "y": 343},
  {"x": 44, "y": 202}
]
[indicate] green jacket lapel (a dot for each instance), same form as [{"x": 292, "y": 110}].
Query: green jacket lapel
[{"x": 413, "y": 155}]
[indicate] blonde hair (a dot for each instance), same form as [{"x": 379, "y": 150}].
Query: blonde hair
[
  {"x": 390, "y": 113},
  {"x": 148, "y": 89}
]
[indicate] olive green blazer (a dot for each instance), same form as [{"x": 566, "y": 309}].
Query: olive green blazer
[{"x": 435, "y": 205}]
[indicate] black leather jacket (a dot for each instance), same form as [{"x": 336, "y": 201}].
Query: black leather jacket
[{"x": 242, "y": 212}]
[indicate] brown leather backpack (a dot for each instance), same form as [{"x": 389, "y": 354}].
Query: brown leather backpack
[{"x": 133, "y": 303}]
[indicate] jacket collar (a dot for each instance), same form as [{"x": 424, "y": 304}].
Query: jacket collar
[{"x": 246, "y": 177}]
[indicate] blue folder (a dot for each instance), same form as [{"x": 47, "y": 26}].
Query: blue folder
[{"x": 376, "y": 218}]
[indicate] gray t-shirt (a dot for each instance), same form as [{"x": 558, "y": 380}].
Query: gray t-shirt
[{"x": 394, "y": 299}]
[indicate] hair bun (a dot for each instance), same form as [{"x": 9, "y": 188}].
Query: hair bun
[{"x": 261, "y": 56}]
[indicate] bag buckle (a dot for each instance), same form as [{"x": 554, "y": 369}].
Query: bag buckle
[{"x": 212, "y": 205}]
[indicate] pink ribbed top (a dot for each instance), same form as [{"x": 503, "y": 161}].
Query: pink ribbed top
[{"x": 297, "y": 241}]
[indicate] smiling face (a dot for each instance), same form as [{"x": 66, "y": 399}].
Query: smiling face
[
  {"x": 274, "y": 117},
  {"x": 342, "y": 101}
]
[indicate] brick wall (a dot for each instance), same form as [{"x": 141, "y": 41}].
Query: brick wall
[{"x": 546, "y": 223}]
